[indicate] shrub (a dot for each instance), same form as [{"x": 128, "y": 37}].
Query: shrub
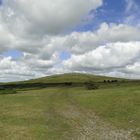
[
  {"x": 68, "y": 83},
  {"x": 90, "y": 85}
]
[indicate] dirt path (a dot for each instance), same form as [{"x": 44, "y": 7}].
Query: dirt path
[{"x": 86, "y": 125}]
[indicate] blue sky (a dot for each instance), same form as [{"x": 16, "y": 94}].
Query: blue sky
[
  {"x": 112, "y": 11},
  {"x": 64, "y": 55},
  {"x": 15, "y": 54}
]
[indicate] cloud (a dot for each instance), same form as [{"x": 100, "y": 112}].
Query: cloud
[
  {"x": 6, "y": 37},
  {"x": 82, "y": 42},
  {"x": 86, "y": 41},
  {"x": 110, "y": 57},
  {"x": 132, "y": 12},
  {"x": 31, "y": 26},
  {"x": 111, "y": 47},
  {"x": 27, "y": 67},
  {"x": 131, "y": 5},
  {"x": 11, "y": 70},
  {"x": 35, "y": 17},
  {"x": 41, "y": 31}
]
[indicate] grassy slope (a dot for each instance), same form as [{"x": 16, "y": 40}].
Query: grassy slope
[
  {"x": 61, "y": 113},
  {"x": 70, "y": 77}
]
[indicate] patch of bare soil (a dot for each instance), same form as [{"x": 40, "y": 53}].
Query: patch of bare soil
[{"x": 87, "y": 126}]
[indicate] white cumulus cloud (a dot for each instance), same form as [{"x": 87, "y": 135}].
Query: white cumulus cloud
[{"x": 41, "y": 30}]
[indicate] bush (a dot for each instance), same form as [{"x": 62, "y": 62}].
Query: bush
[
  {"x": 91, "y": 86},
  {"x": 68, "y": 83}
]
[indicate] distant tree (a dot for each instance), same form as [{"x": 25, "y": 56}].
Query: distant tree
[
  {"x": 109, "y": 81},
  {"x": 68, "y": 83},
  {"x": 90, "y": 85},
  {"x": 114, "y": 81}
]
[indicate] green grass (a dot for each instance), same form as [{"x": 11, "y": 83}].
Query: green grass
[
  {"x": 31, "y": 115},
  {"x": 70, "y": 77},
  {"x": 52, "y": 113},
  {"x": 8, "y": 91},
  {"x": 120, "y": 105}
]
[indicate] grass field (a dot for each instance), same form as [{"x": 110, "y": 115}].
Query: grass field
[{"x": 111, "y": 112}]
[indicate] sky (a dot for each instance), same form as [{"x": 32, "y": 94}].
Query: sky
[{"x": 39, "y": 38}]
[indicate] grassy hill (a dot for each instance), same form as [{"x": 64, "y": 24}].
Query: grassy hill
[
  {"x": 110, "y": 112},
  {"x": 72, "y": 77}
]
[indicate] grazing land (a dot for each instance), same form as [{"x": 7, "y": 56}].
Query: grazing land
[{"x": 70, "y": 107}]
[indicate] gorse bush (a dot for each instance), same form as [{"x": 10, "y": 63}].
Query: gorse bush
[{"x": 90, "y": 85}]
